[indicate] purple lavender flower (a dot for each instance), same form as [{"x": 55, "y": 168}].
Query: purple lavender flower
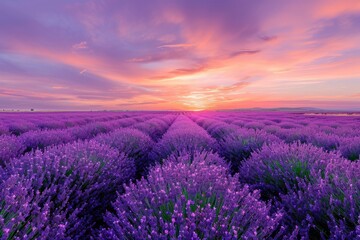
[
  {"x": 10, "y": 147},
  {"x": 209, "y": 157},
  {"x": 183, "y": 135},
  {"x": 51, "y": 124},
  {"x": 254, "y": 125},
  {"x": 328, "y": 142},
  {"x": 215, "y": 128},
  {"x": 19, "y": 127},
  {"x": 221, "y": 130},
  {"x": 288, "y": 125},
  {"x": 239, "y": 123},
  {"x": 239, "y": 145},
  {"x": 43, "y": 138},
  {"x": 61, "y": 192},
  {"x": 155, "y": 127},
  {"x": 122, "y": 123},
  {"x": 89, "y": 130},
  {"x": 350, "y": 147},
  {"x": 134, "y": 143},
  {"x": 293, "y": 134},
  {"x": 184, "y": 200},
  {"x": 4, "y": 129},
  {"x": 328, "y": 208},
  {"x": 278, "y": 166}
]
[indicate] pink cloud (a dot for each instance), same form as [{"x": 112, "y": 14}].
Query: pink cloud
[{"x": 80, "y": 45}]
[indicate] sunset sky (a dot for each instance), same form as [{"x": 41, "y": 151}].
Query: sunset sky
[{"x": 179, "y": 55}]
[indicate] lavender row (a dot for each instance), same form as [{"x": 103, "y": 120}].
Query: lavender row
[
  {"x": 341, "y": 126},
  {"x": 17, "y": 124},
  {"x": 60, "y": 193},
  {"x": 317, "y": 191},
  {"x": 190, "y": 196},
  {"x": 234, "y": 143},
  {"x": 283, "y": 190},
  {"x": 88, "y": 174},
  {"x": 183, "y": 136},
  {"x": 326, "y": 134},
  {"x": 12, "y": 146},
  {"x": 156, "y": 127}
]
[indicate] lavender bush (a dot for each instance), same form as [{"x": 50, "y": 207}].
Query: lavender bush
[
  {"x": 350, "y": 147},
  {"x": 17, "y": 128},
  {"x": 133, "y": 143},
  {"x": 221, "y": 130},
  {"x": 278, "y": 167},
  {"x": 189, "y": 199},
  {"x": 155, "y": 127},
  {"x": 217, "y": 129},
  {"x": 327, "y": 209},
  {"x": 239, "y": 145},
  {"x": 323, "y": 140},
  {"x": 208, "y": 157},
  {"x": 43, "y": 138},
  {"x": 10, "y": 147},
  {"x": 293, "y": 134},
  {"x": 4, "y": 129},
  {"x": 177, "y": 141},
  {"x": 62, "y": 192},
  {"x": 89, "y": 130}
]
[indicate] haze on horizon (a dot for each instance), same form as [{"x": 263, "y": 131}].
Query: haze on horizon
[{"x": 179, "y": 55}]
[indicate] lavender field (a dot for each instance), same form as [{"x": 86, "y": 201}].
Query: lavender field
[{"x": 179, "y": 175}]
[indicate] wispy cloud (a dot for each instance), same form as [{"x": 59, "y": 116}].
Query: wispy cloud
[
  {"x": 81, "y": 45},
  {"x": 178, "y": 45},
  {"x": 244, "y": 52},
  {"x": 268, "y": 38}
]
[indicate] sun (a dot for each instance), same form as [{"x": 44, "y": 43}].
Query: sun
[{"x": 195, "y": 101}]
